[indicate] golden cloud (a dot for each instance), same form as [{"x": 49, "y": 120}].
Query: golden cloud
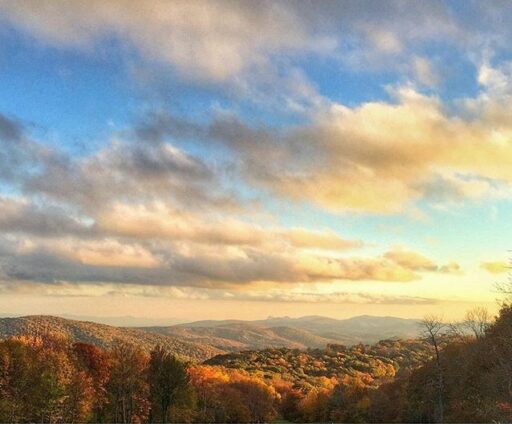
[
  {"x": 498, "y": 267},
  {"x": 382, "y": 157},
  {"x": 159, "y": 221},
  {"x": 411, "y": 260},
  {"x": 102, "y": 253}
]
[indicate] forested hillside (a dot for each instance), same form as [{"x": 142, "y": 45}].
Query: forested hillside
[
  {"x": 102, "y": 335},
  {"x": 242, "y": 336},
  {"x": 383, "y": 360}
]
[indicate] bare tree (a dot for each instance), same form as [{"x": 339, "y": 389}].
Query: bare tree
[
  {"x": 473, "y": 326},
  {"x": 433, "y": 330},
  {"x": 477, "y": 321},
  {"x": 505, "y": 287}
]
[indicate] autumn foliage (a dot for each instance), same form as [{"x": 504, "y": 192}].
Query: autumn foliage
[{"x": 47, "y": 379}]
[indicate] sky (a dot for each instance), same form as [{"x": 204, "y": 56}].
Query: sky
[{"x": 187, "y": 160}]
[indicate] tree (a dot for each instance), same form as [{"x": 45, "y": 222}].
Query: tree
[
  {"x": 127, "y": 388},
  {"x": 80, "y": 396},
  {"x": 257, "y": 397},
  {"x": 95, "y": 363},
  {"x": 499, "y": 347},
  {"x": 39, "y": 381},
  {"x": 208, "y": 382},
  {"x": 169, "y": 384},
  {"x": 16, "y": 380},
  {"x": 290, "y": 397},
  {"x": 350, "y": 400},
  {"x": 53, "y": 373},
  {"x": 387, "y": 402},
  {"x": 477, "y": 321},
  {"x": 315, "y": 406},
  {"x": 433, "y": 330}
]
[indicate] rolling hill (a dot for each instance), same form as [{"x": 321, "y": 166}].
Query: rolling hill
[
  {"x": 241, "y": 336},
  {"x": 102, "y": 335}
]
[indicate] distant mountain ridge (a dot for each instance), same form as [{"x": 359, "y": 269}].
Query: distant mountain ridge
[
  {"x": 309, "y": 331},
  {"x": 201, "y": 340},
  {"x": 242, "y": 336}
]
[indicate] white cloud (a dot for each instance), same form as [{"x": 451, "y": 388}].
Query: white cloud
[{"x": 425, "y": 72}]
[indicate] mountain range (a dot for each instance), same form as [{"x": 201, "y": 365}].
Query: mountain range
[
  {"x": 201, "y": 340},
  {"x": 309, "y": 331}
]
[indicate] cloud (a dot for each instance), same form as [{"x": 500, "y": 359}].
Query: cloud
[
  {"x": 378, "y": 157},
  {"x": 66, "y": 289},
  {"x": 450, "y": 268},
  {"x": 384, "y": 40},
  {"x": 120, "y": 170},
  {"x": 106, "y": 253},
  {"x": 10, "y": 129},
  {"x": 128, "y": 170},
  {"x": 299, "y": 237},
  {"x": 213, "y": 40},
  {"x": 23, "y": 216},
  {"x": 129, "y": 237},
  {"x": 159, "y": 221},
  {"x": 185, "y": 263},
  {"x": 411, "y": 260},
  {"x": 18, "y": 154},
  {"x": 219, "y": 40},
  {"x": 357, "y": 298},
  {"x": 145, "y": 212},
  {"x": 256, "y": 51},
  {"x": 148, "y": 213},
  {"x": 495, "y": 267},
  {"x": 425, "y": 73},
  {"x": 417, "y": 262}
]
